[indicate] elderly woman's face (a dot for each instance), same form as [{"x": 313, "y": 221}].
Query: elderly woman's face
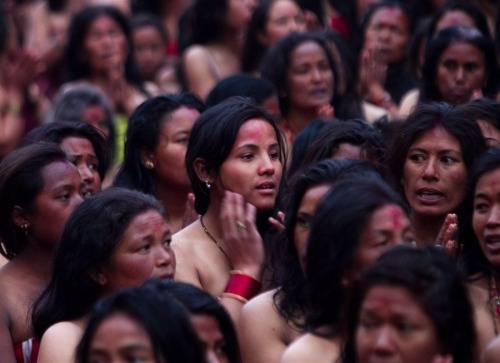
[
  {"x": 388, "y": 33},
  {"x": 434, "y": 174},
  {"x": 461, "y": 73},
  {"x": 105, "y": 46}
]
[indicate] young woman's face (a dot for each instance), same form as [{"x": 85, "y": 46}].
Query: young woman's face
[
  {"x": 434, "y": 174},
  {"x": 253, "y": 167},
  {"x": 119, "y": 338},
  {"x": 486, "y": 216},
  {"x": 284, "y": 17},
  {"x": 211, "y": 337},
  {"x": 61, "y": 193},
  {"x": 305, "y": 214},
  {"x": 82, "y": 154},
  {"x": 105, "y": 45},
  {"x": 387, "y": 227},
  {"x": 143, "y": 253},
  {"x": 461, "y": 70},
  {"x": 238, "y": 14},
  {"x": 388, "y": 33},
  {"x": 392, "y": 327},
  {"x": 149, "y": 51},
  {"x": 310, "y": 77},
  {"x": 168, "y": 156}
]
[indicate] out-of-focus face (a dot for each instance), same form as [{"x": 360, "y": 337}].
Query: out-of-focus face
[
  {"x": 388, "y": 34},
  {"x": 82, "y": 154},
  {"x": 105, "y": 45},
  {"x": 62, "y": 191},
  {"x": 253, "y": 167},
  {"x": 490, "y": 133},
  {"x": 434, "y": 174},
  {"x": 143, "y": 253},
  {"x": 461, "y": 70},
  {"x": 486, "y": 216},
  {"x": 310, "y": 77},
  {"x": 454, "y": 18},
  {"x": 119, "y": 338},
  {"x": 168, "y": 156},
  {"x": 214, "y": 344},
  {"x": 149, "y": 51},
  {"x": 387, "y": 227},
  {"x": 284, "y": 17},
  {"x": 272, "y": 106},
  {"x": 96, "y": 117},
  {"x": 305, "y": 214},
  {"x": 238, "y": 14},
  {"x": 393, "y": 327}
]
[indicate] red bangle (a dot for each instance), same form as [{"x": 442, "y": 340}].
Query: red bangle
[{"x": 242, "y": 285}]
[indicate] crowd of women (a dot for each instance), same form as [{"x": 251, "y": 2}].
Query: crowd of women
[{"x": 250, "y": 181}]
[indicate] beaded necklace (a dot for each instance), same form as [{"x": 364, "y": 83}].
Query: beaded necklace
[{"x": 212, "y": 237}]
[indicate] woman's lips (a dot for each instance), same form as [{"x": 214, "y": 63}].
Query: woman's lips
[{"x": 429, "y": 196}]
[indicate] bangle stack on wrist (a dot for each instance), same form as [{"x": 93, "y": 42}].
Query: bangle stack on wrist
[{"x": 241, "y": 286}]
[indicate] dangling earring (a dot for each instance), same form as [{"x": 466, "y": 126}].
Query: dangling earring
[
  {"x": 208, "y": 184},
  {"x": 24, "y": 227},
  {"x": 149, "y": 164}
]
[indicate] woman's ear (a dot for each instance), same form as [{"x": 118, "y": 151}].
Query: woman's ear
[
  {"x": 20, "y": 217},
  {"x": 99, "y": 277},
  {"x": 200, "y": 168},
  {"x": 147, "y": 159}
]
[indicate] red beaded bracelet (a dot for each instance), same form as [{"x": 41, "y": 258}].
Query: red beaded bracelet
[{"x": 241, "y": 286}]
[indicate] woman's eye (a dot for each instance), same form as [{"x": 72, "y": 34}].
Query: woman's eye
[
  {"x": 406, "y": 327},
  {"x": 448, "y": 160},
  {"x": 481, "y": 207},
  {"x": 366, "y": 324},
  {"x": 93, "y": 166},
  {"x": 274, "y": 155},
  {"x": 416, "y": 157},
  {"x": 303, "y": 221},
  {"x": 63, "y": 197},
  {"x": 247, "y": 157},
  {"x": 144, "y": 248},
  {"x": 167, "y": 242}
]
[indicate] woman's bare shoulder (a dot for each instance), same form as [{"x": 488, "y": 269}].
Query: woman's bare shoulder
[
  {"x": 312, "y": 348},
  {"x": 60, "y": 340}
]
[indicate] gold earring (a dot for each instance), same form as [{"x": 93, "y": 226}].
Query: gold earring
[
  {"x": 24, "y": 227},
  {"x": 149, "y": 164}
]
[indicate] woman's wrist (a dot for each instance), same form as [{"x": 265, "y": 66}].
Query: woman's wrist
[{"x": 241, "y": 286}]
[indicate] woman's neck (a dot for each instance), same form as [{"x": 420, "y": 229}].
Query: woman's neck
[
  {"x": 426, "y": 228},
  {"x": 35, "y": 262},
  {"x": 175, "y": 202},
  {"x": 212, "y": 221},
  {"x": 298, "y": 119}
]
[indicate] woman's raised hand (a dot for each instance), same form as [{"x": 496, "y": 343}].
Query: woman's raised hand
[{"x": 242, "y": 242}]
